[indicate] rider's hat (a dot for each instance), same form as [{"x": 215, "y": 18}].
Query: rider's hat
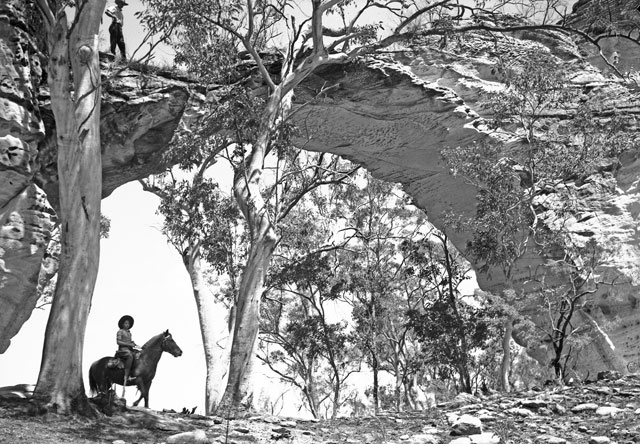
[
  {"x": 125, "y": 318},
  {"x": 121, "y": 2}
]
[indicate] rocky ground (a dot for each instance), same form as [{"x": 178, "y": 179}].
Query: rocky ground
[{"x": 606, "y": 411}]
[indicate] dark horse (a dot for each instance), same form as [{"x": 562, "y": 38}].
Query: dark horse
[{"x": 102, "y": 377}]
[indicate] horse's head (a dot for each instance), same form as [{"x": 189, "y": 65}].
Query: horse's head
[{"x": 169, "y": 345}]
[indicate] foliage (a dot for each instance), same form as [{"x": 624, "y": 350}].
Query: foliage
[
  {"x": 318, "y": 355},
  {"x": 563, "y": 293},
  {"x": 199, "y": 213},
  {"x": 451, "y": 330},
  {"x": 525, "y": 187},
  {"x": 512, "y": 179},
  {"x": 377, "y": 219},
  {"x": 201, "y": 48}
]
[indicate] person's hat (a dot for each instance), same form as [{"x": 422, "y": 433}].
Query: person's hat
[
  {"x": 121, "y": 2},
  {"x": 125, "y": 318}
]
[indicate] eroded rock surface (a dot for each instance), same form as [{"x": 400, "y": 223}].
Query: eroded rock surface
[{"x": 25, "y": 216}]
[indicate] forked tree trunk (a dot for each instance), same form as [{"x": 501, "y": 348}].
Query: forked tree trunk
[
  {"x": 239, "y": 390},
  {"x": 248, "y": 189},
  {"x": 77, "y": 114},
  {"x": 506, "y": 355},
  {"x": 216, "y": 335}
]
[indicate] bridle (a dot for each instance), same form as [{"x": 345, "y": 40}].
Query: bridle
[{"x": 164, "y": 342}]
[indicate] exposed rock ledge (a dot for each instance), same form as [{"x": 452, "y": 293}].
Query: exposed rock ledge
[{"x": 392, "y": 113}]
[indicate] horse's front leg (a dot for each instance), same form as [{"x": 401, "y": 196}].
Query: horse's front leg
[
  {"x": 145, "y": 393},
  {"x": 143, "y": 389}
]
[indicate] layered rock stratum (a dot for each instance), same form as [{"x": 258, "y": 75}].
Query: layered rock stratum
[{"x": 392, "y": 112}]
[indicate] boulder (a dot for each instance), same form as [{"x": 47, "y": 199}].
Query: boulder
[
  {"x": 466, "y": 425},
  {"x": 194, "y": 437}
]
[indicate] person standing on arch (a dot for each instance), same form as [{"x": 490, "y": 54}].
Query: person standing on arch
[{"x": 115, "y": 30}]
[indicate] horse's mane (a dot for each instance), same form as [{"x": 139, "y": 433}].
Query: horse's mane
[{"x": 154, "y": 339}]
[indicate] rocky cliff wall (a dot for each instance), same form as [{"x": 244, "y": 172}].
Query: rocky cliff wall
[{"x": 25, "y": 216}]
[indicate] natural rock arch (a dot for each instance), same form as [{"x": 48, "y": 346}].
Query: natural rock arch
[{"x": 391, "y": 113}]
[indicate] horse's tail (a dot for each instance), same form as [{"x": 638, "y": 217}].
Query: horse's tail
[{"x": 93, "y": 384}]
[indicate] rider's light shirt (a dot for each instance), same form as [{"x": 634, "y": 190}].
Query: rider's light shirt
[
  {"x": 117, "y": 13},
  {"x": 124, "y": 336}
]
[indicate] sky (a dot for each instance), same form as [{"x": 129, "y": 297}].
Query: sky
[{"x": 141, "y": 275}]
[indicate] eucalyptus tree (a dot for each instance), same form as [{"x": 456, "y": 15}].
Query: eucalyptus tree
[
  {"x": 74, "y": 80},
  {"x": 300, "y": 342},
  {"x": 451, "y": 329},
  {"x": 204, "y": 226},
  {"x": 71, "y": 31},
  {"x": 301, "y": 326},
  {"x": 378, "y": 219},
  {"x": 574, "y": 278}
]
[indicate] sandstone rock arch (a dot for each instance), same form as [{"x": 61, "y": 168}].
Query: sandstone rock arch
[{"x": 392, "y": 113}]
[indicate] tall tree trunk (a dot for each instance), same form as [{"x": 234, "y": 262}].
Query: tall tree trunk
[
  {"x": 239, "y": 390},
  {"x": 311, "y": 394},
  {"x": 248, "y": 193},
  {"x": 77, "y": 114},
  {"x": 337, "y": 387},
  {"x": 216, "y": 335},
  {"x": 376, "y": 369},
  {"x": 397, "y": 392},
  {"x": 506, "y": 355},
  {"x": 247, "y": 190}
]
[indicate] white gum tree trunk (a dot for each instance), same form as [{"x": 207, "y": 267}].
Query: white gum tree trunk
[
  {"x": 506, "y": 355},
  {"x": 216, "y": 332},
  {"x": 247, "y": 189},
  {"x": 248, "y": 193},
  {"x": 77, "y": 112}
]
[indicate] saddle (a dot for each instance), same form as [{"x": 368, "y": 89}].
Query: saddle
[{"x": 118, "y": 362}]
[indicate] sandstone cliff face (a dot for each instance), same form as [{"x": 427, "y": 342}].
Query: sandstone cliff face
[
  {"x": 25, "y": 216},
  {"x": 392, "y": 113}
]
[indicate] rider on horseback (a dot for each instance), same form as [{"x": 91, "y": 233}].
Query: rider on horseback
[{"x": 126, "y": 345}]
